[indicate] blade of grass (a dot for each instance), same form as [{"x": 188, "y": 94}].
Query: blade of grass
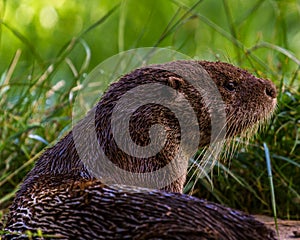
[
  {"x": 240, "y": 181},
  {"x": 287, "y": 160},
  {"x": 170, "y": 29},
  {"x": 232, "y": 27},
  {"x": 122, "y": 25},
  {"x": 9, "y": 196},
  {"x": 282, "y": 50},
  {"x": 247, "y": 52},
  {"x": 24, "y": 165},
  {"x": 9, "y": 75},
  {"x": 24, "y": 40},
  {"x": 248, "y": 13},
  {"x": 269, "y": 169},
  {"x": 68, "y": 47},
  {"x": 295, "y": 75},
  {"x": 87, "y": 59}
]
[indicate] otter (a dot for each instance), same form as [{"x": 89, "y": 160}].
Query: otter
[{"x": 247, "y": 102}]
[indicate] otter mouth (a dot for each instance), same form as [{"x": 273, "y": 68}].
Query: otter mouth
[{"x": 251, "y": 121}]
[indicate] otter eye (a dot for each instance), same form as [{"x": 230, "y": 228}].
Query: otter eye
[{"x": 230, "y": 86}]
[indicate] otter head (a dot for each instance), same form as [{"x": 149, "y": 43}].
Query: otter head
[{"x": 249, "y": 100}]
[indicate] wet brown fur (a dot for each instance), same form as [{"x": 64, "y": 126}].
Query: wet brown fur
[{"x": 92, "y": 210}]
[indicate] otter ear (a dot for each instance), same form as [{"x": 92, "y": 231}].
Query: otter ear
[{"x": 175, "y": 82}]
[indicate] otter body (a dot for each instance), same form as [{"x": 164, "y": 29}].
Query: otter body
[
  {"x": 92, "y": 210},
  {"x": 248, "y": 102}
]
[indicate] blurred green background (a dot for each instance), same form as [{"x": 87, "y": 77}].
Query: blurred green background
[{"x": 48, "y": 47}]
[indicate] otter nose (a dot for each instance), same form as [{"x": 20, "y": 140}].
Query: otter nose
[{"x": 270, "y": 90}]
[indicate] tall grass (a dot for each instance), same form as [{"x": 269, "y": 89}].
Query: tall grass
[{"x": 39, "y": 81}]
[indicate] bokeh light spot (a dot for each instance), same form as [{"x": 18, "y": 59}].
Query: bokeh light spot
[
  {"x": 48, "y": 17},
  {"x": 24, "y": 14}
]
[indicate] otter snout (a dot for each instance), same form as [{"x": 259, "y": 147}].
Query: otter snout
[{"x": 270, "y": 89}]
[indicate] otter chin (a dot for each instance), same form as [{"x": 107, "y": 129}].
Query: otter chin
[{"x": 138, "y": 137}]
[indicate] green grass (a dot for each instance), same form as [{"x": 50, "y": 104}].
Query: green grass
[{"x": 261, "y": 36}]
